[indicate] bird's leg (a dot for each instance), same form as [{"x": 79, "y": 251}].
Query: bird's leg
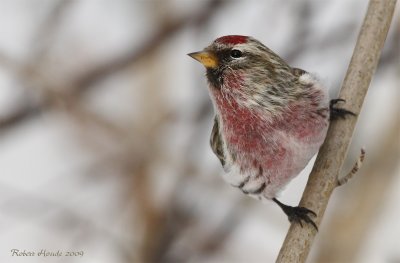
[
  {"x": 297, "y": 213},
  {"x": 337, "y": 113}
]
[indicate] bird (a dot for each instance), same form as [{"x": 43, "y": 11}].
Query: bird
[{"x": 270, "y": 118}]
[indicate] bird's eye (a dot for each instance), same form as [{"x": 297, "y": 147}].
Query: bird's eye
[{"x": 236, "y": 53}]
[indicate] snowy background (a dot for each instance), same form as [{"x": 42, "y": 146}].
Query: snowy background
[{"x": 104, "y": 127}]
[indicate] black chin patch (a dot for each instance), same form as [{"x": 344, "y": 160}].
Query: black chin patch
[{"x": 214, "y": 76}]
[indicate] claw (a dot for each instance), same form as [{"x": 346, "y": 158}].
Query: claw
[
  {"x": 335, "y": 101},
  {"x": 338, "y": 112},
  {"x": 297, "y": 214},
  {"x": 311, "y": 212}
]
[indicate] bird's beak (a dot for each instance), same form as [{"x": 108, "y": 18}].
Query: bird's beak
[{"x": 208, "y": 59}]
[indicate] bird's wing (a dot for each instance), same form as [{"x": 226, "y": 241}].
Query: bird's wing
[{"x": 216, "y": 142}]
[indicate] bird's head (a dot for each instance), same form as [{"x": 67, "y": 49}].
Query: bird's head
[
  {"x": 241, "y": 70},
  {"x": 243, "y": 56}
]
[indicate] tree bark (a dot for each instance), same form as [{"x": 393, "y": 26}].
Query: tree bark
[{"x": 324, "y": 176}]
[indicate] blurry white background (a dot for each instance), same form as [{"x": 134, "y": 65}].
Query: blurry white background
[{"x": 104, "y": 127}]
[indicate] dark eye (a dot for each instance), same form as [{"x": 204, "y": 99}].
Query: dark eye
[{"x": 236, "y": 53}]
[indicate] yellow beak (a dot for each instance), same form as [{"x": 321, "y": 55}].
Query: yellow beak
[{"x": 208, "y": 59}]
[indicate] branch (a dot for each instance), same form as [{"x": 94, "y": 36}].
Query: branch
[{"x": 324, "y": 176}]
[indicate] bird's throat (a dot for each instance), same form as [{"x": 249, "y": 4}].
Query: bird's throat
[
  {"x": 241, "y": 126},
  {"x": 214, "y": 77}
]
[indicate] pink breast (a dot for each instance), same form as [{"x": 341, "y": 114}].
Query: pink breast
[{"x": 249, "y": 134}]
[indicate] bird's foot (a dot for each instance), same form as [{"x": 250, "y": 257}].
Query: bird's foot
[
  {"x": 297, "y": 214},
  {"x": 337, "y": 113}
]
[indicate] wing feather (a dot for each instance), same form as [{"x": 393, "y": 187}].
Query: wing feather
[{"x": 216, "y": 142}]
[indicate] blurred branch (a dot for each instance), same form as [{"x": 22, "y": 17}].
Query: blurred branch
[
  {"x": 335, "y": 39},
  {"x": 304, "y": 13},
  {"x": 87, "y": 80},
  {"x": 23, "y": 206},
  {"x": 48, "y": 30},
  {"x": 303, "y": 35},
  {"x": 223, "y": 231},
  {"x": 324, "y": 176},
  {"x": 29, "y": 72},
  {"x": 21, "y": 114}
]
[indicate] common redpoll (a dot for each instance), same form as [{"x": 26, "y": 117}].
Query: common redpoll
[{"x": 270, "y": 118}]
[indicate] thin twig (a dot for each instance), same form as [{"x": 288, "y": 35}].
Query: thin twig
[
  {"x": 357, "y": 165},
  {"x": 324, "y": 176}
]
